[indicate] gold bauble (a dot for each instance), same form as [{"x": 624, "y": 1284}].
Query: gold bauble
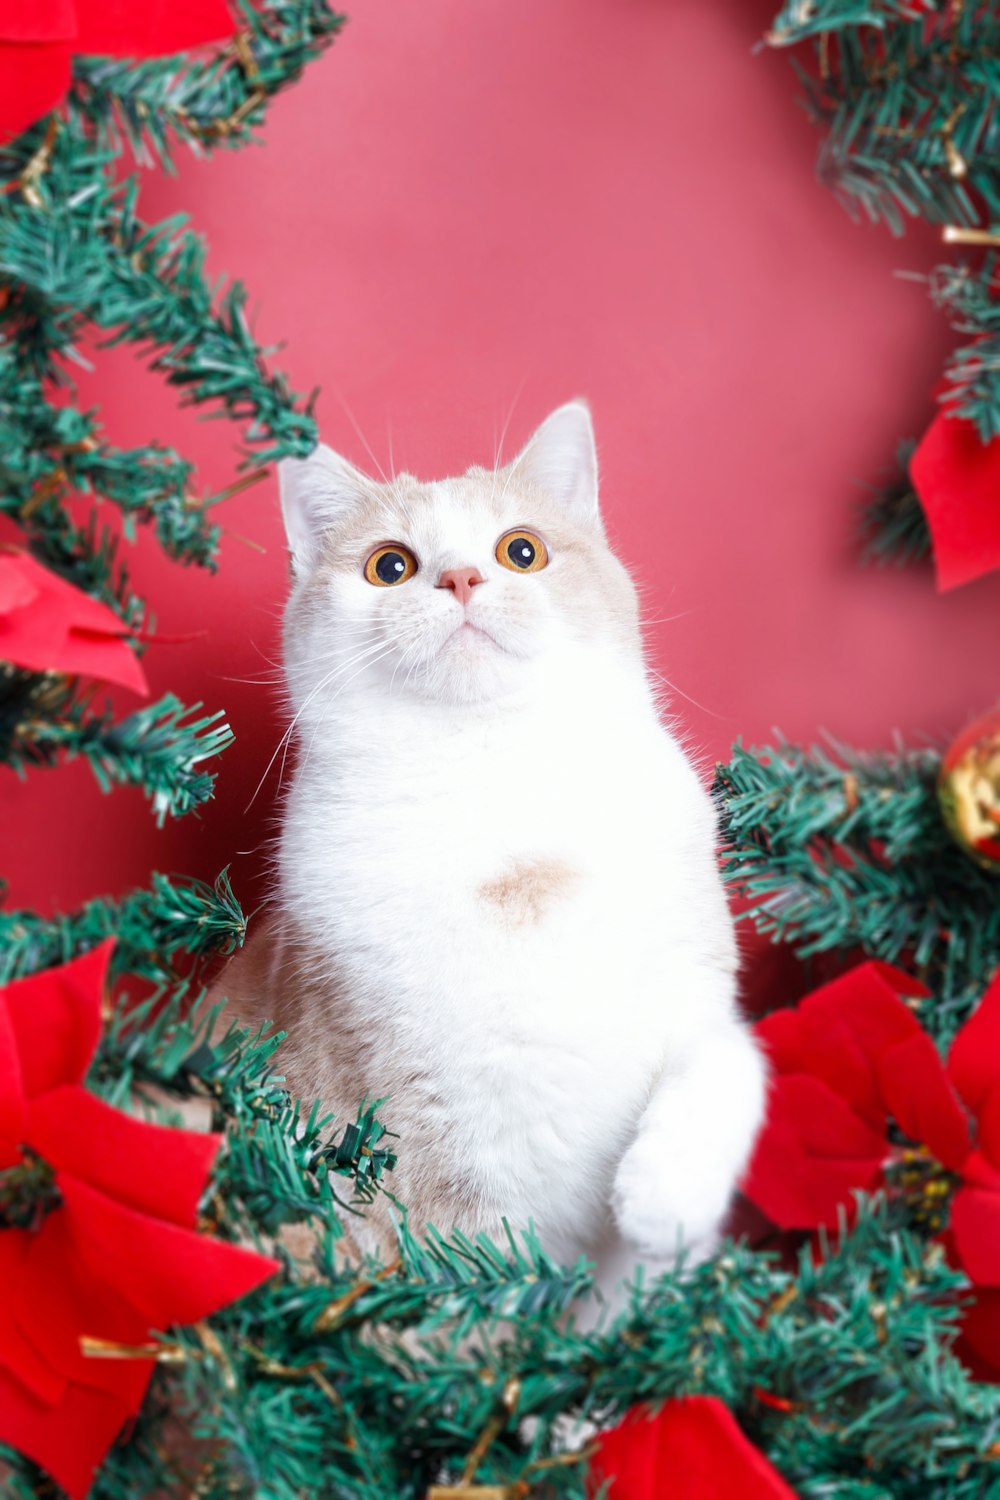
[{"x": 969, "y": 791}]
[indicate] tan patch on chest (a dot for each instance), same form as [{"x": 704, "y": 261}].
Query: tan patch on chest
[{"x": 528, "y": 888}]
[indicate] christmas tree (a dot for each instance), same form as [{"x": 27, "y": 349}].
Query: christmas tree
[{"x": 849, "y": 1355}]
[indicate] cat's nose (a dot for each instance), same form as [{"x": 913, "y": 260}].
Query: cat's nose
[{"x": 462, "y": 581}]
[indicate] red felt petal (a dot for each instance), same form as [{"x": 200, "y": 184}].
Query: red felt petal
[
  {"x": 981, "y": 1334},
  {"x": 153, "y": 1168},
  {"x": 63, "y": 1301},
  {"x": 17, "y": 1354},
  {"x": 56, "y": 1018},
  {"x": 974, "y": 1059},
  {"x": 988, "y": 1133},
  {"x": 920, "y": 1099},
  {"x": 629, "y": 1452},
  {"x": 168, "y": 1274},
  {"x": 957, "y": 476},
  {"x": 975, "y": 1232},
  {"x": 979, "y": 1172},
  {"x": 41, "y": 21},
  {"x": 824, "y": 1124},
  {"x": 17, "y": 588},
  {"x": 12, "y": 1101},
  {"x": 812, "y": 1153},
  {"x": 65, "y": 630},
  {"x": 69, "y": 1439},
  {"x": 842, "y": 1029},
  {"x": 156, "y": 27},
  {"x": 701, "y": 1453},
  {"x": 33, "y": 78},
  {"x": 782, "y": 1034}
]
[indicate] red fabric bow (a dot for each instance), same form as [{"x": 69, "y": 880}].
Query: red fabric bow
[
  {"x": 846, "y": 1059},
  {"x": 39, "y": 40},
  {"x": 692, "y": 1449},
  {"x": 48, "y": 625},
  {"x": 117, "y": 1257}
]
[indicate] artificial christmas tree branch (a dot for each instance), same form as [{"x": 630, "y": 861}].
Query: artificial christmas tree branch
[
  {"x": 836, "y": 850},
  {"x": 75, "y": 255},
  {"x": 88, "y": 258},
  {"x": 910, "y": 112},
  {"x": 973, "y": 370},
  {"x": 202, "y": 104},
  {"x": 893, "y": 525},
  {"x": 801, "y": 19},
  {"x": 176, "y": 916},
  {"x": 160, "y": 748},
  {"x": 49, "y": 454},
  {"x": 908, "y": 96}
]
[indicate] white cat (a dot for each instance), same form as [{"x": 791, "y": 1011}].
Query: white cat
[{"x": 498, "y": 905}]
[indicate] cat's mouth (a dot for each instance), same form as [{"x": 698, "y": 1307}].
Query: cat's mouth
[{"x": 468, "y": 630}]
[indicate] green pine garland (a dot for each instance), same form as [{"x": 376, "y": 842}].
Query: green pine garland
[
  {"x": 331, "y": 1384},
  {"x": 839, "y": 851},
  {"x": 76, "y": 255},
  {"x": 908, "y": 97}
]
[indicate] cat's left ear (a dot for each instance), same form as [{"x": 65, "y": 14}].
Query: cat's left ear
[
  {"x": 315, "y": 492},
  {"x": 561, "y": 460}
]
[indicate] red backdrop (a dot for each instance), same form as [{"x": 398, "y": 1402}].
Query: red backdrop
[{"x": 466, "y": 214}]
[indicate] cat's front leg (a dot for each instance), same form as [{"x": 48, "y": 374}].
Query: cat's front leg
[{"x": 674, "y": 1183}]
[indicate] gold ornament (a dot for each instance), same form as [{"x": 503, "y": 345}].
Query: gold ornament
[{"x": 969, "y": 791}]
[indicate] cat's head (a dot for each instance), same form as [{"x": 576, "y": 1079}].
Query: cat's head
[{"x": 459, "y": 590}]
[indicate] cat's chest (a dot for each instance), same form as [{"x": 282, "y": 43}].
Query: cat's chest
[
  {"x": 512, "y": 830},
  {"x": 507, "y": 884}
]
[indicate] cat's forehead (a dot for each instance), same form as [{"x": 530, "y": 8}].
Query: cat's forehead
[{"x": 446, "y": 513}]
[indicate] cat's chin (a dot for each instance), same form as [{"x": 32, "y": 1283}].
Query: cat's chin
[{"x": 470, "y": 667}]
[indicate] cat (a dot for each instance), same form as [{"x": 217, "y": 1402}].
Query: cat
[{"x": 498, "y": 907}]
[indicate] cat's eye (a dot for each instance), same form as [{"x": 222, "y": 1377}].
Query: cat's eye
[
  {"x": 522, "y": 551},
  {"x": 390, "y": 564}
]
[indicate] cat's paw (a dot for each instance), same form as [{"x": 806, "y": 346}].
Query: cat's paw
[{"x": 667, "y": 1205}]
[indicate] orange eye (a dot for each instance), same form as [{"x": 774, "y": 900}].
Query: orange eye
[
  {"x": 390, "y": 564},
  {"x": 522, "y": 551}
]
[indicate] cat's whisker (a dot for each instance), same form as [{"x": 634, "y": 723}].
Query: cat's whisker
[
  {"x": 503, "y": 435},
  {"x": 364, "y": 441},
  {"x": 703, "y": 707},
  {"x": 283, "y": 743},
  {"x": 417, "y": 642},
  {"x": 668, "y": 619},
  {"x": 332, "y": 699}
]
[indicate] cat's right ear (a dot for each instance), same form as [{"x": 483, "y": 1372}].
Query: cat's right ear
[{"x": 315, "y": 492}]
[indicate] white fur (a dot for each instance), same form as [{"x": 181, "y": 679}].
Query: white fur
[{"x": 587, "y": 1071}]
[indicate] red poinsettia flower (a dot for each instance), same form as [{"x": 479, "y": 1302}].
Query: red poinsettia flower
[
  {"x": 845, "y": 1061},
  {"x": 38, "y": 42},
  {"x": 111, "y": 1253},
  {"x": 48, "y": 625},
  {"x": 692, "y": 1449}
]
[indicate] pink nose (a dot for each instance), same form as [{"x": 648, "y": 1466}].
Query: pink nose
[{"x": 462, "y": 581}]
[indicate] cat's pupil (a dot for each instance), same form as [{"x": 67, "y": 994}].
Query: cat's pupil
[
  {"x": 390, "y": 567},
  {"x": 521, "y": 552}
]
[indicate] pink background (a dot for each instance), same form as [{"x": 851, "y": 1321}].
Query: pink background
[{"x": 467, "y": 213}]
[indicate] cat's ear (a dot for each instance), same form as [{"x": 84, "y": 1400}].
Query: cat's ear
[
  {"x": 561, "y": 460},
  {"x": 315, "y": 491}
]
